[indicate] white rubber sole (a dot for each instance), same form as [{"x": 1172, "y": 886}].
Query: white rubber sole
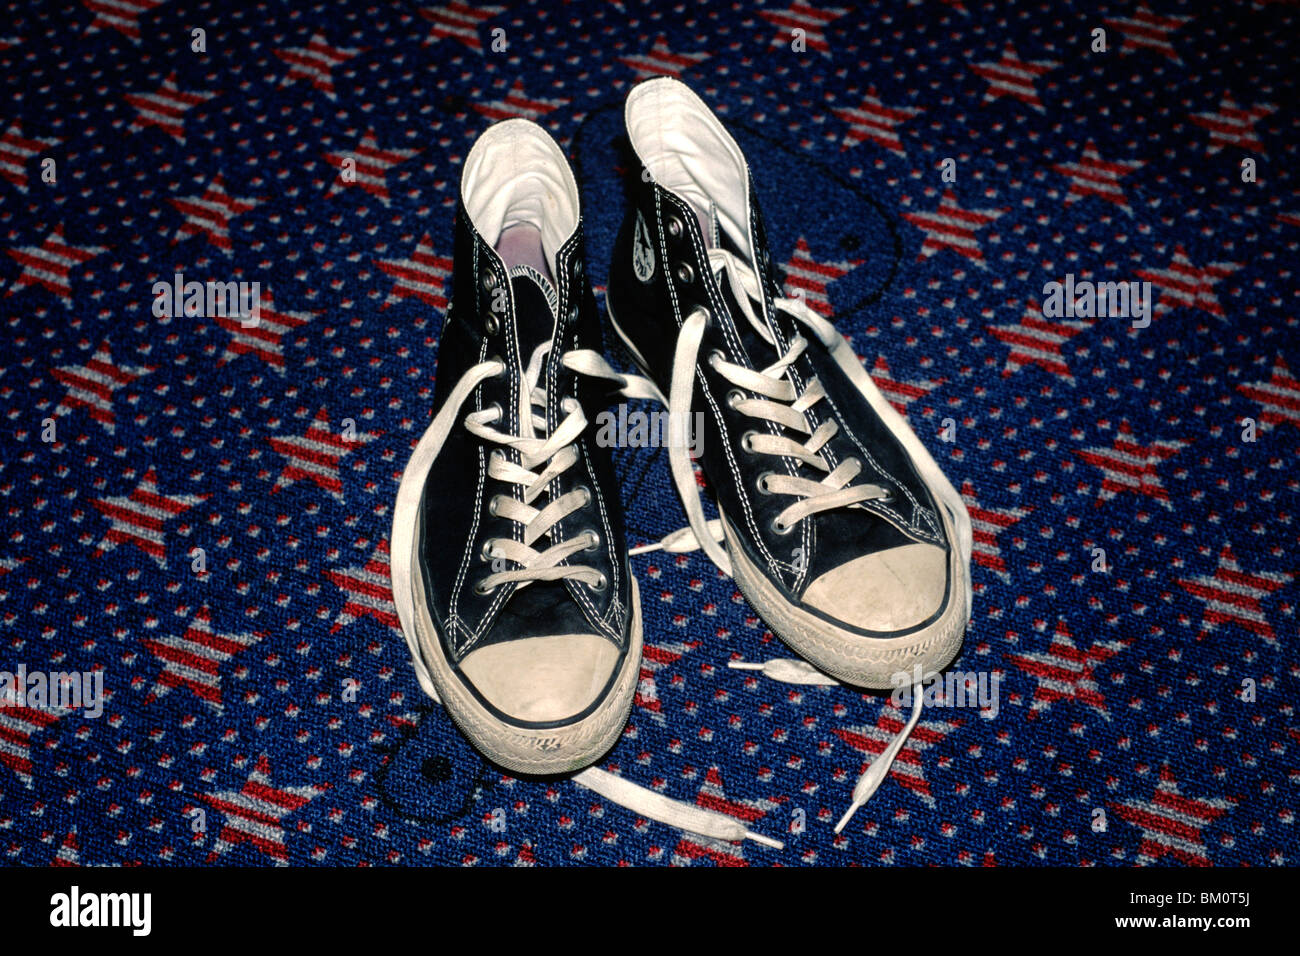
[
  {"x": 542, "y": 751},
  {"x": 872, "y": 662}
]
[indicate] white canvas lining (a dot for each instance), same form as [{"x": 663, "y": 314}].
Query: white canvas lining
[
  {"x": 687, "y": 152},
  {"x": 516, "y": 175}
]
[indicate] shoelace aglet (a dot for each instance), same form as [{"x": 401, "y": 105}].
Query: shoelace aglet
[
  {"x": 868, "y": 784},
  {"x": 848, "y": 815},
  {"x": 765, "y": 840},
  {"x": 680, "y": 541},
  {"x": 683, "y": 816},
  {"x": 786, "y": 670}
]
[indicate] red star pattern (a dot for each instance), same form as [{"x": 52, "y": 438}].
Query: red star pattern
[
  {"x": 713, "y": 796},
  {"x": 1233, "y": 126},
  {"x": 1094, "y": 176},
  {"x": 1233, "y": 596},
  {"x": 1035, "y": 340},
  {"x": 1014, "y": 77},
  {"x": 371, "y": 166},
  {"x": 193, "y": 660},
  {"x": 1279, "y": 396},
  {"x": 369, "y": 592},
  {"x": 91, "y": 386},
  {"x": 17, "y": 727},
  {"x": 1067, "y": 673},
  {"x": 1131, "y": 467},
  {"x": 952, "y": 227},
  {"x": 50, "y": 264},
  {"x": 140, "y": 518},
  {"x": 900, "y": 393},
  {"x": 165, "y": 108},
  {"x": 423, "y": 276},
  {"x": 265, "y": 339},
  {"x": 1183, "y": 285},
  {"x": 809, "y": 276},
  {"x": 255, "y": 813},
  {"x": 986, "y": 525},
  {"x": 69, "y": 853},
  {"x": 907, "y": 769},
  {"x": 875, "y": 122},
  {"x": 316, "y": 62},
  {"x": 1147, "y": 31},
  {"x": 654, "y": 658},
  {"x": 1172, "y": 825},
  {"x": 459, "y": 22},
  {"x": 16, "y": 150},
  {"x": 661, "y": 60},
  {"x": 210, "y": 214},
  {"x": 120, "y": 15},
  {"x": 803, "y": 16},
  {"x": 518, "y": 103},
  {"x": 316, "y": 455}
]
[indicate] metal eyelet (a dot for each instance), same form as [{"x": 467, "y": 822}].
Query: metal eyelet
[
  {"x": 702, "y": 311},
  {"x": 674, "y": 225},
  {"x": 781, "y": 528},
  {"x": 490, "y": 324},
  {"x": 735, "y": 397},
  {"x": 747, "y": 442},
  {"x": 496, "y": 407},
  {"x": 485, "y": 553},
  {"x": 481, "y": 591},
  {"x": 489, "y": 281},
  {"x": 715, "y": 357},
  {"x": 762, "y": 485},
  {"x": 492, "y": 505},
  {"x": 685, "y": 274},
  {"x": 593, "y": 540},
  {"x": 602, "y": 584},
  {"x": 587, "y": 495}
]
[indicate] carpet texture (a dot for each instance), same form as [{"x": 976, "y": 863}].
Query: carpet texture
[{"x": 198, "y": 511}]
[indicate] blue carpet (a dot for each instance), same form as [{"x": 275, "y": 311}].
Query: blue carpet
[{"x": 199, "y": 513}]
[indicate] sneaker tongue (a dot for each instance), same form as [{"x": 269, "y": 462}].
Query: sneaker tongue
[{"x": 535, "y": 307}]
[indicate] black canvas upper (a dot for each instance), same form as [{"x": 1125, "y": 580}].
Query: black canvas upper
[{"x": 456, "y": 522}]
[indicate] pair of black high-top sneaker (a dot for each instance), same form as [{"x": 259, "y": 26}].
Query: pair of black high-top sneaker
[{"x": 509, "y": 567}]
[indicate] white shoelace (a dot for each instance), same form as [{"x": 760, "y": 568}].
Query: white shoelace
[
  {"x": 555, "y": 453},
  {"x": 665, "y": 810},
  {"x": 779, "y": 403},
  {"x": 789, "y": 671},
  {"x": 542, "y": 458}
]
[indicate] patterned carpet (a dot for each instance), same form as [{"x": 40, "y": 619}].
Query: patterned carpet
[{"x": 197, "y": 511}]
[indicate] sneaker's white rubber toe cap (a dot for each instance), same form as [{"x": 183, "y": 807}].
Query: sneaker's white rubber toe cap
[
  {"x": 887, "y": 591},
  {"x": 543, "y": 679}
]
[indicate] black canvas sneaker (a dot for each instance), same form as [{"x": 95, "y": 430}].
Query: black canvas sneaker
[
  {"x": 836, "y": 523},
  {"x": 509, "y": 568}
]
